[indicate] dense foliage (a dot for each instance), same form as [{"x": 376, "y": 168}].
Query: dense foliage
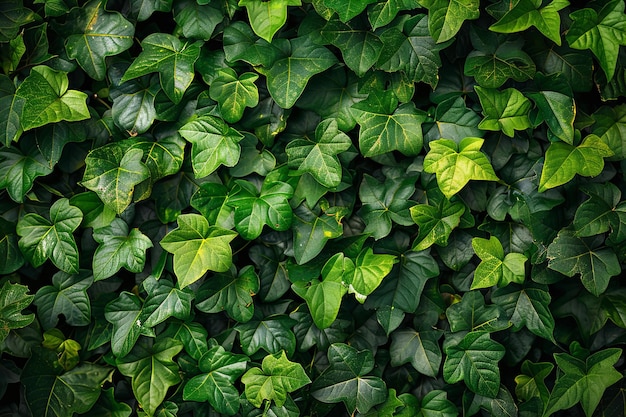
[{"x": 308, "y": 208}]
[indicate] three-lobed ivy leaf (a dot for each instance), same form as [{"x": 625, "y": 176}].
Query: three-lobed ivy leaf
[
  {"x": 164, "y": 300},
  {"x": 126, "y": 315},
  {"x": 273, "y": 334},
  {"x": 445, "y": 18},
  {"x": 602, "y": 29},
  {"x": 365, "y": 273},
  {"x": 505, "y": 110},
  {"x": 67, "y": 296},
  {"x": 14, "y": 298},
  {"x": 198, "y": 248},
  {"x": 172, "y": 58},
  {"x": 234, "y": 93},
  {"x": 472, "y": 314},
  {"x": 51, "y": 238},
  {"x": 277, "y": 377},
  {"x": 603, "y": 211},
  {"x": 531, "y": 382},
  {"x": 436, "y": 220},
  {"x": 455, "y": 165},
  {"x": 419, "y": 348},
  {"x": 527, "y": 13},
  {"x": 267, "y": 18},
  {"x": 495, "y": 267}
]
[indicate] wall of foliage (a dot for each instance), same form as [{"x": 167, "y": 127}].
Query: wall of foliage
[{"x": 312, "y": 208}]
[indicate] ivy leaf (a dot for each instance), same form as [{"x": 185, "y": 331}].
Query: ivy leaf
[
  {"x": 583, "y": 381},
  {"x": 164, "y": 301},
  {"x": 171, "y": 58},
  {"x": 215, "y": 384},
  {"x": 163, "y": 156},
  {"x": 234, "y": 93},
  {"x": 563, "y": 161},
  {"x": 311, "y": 230},
  {"x": 610, "y": 127},
  {"x": 213, "y": 143},
  {"x": 152, "y": 371},
  {"x": 68, "y": 296},
  {"x": 133, "y": 103},
  {"x": 347, "y": 10},
  {"x": 13, "y": 15},
  {"x": 143, "y": 9},
  {"x": 571, "y": 255},
  {"x": 210, "y": 200},
  {"x": 531, "y": 382},
  {"x": 47, "y": 99},
  {"x": 601, "y": 28},
  {"x": 118, "y": 248},
  {"x": 453, "y": 120},
  {"x": 10, "y": 111},
  {"x": 495, "y": 268},
  {"x": 474, "y": 359},
  {"x": 346, "y": 380},
  {"x": 51, "y": 238},
  {"x": 276, "y": 378},
  {"x": 13, "y": 299},
  {"x": 527, "y": 13},
  {"x": 19, "y": 167},
  {"x": 128, "y": 319},
  {"x": 198, "y": 248},
  {"x": 559, "y": 111},
  {"x": 602, "y": 212},
  {"x": 419, "y": 348},
  {"x": 472, "y": 314},
  {"x": 435, "y": 404},
  {"x": 383, "y": 12},
  {"x": 242, "y": 44},
  {"x": 191, "y": 334},
  {"x": 288, "y": 76},
  {"x": 272, "y": 334},
  {"x": 97, "y": 34},
  {"x": 231, "y": 292},
  {"x": 368, "y": 271},
  {"x": 319, "y": 156},
  {"x": 436, "y": 220},
  {"x": 527, "y": 305},
  {"x": 387, "y": 127},
  {"x": 197, "y": 21},
  {"x": 455, "y": 165},
  {"x": 504, "y": 111},
  {"x": 445, "y": 18},
  {"x": 95, "y": 213},
  {"x": 267, "y": 18}
]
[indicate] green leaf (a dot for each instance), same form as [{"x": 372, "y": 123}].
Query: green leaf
[
  {"x": 171, "y": 58},
  {"x": 436, "y": 220},
  {"x": 272, "y": 334},
  {"x": 10, "y": 112},
  {"x": 527, "y": 13},
  {"x": 276, "y": 378},
  {"x": 558, "y": 110},
  {"x": 20, "y": 167},
  {"x": 609, "y": 126},
  {"x": 128, "y": 320},
  {"x": 311, "y": 230},
  {"x": 602, "y": 29},
  {"x": 563, "y": 161},
  {"x": 95, "y": 213},
  {"x": 267, "y": 18},
  {"x": 419, "y": 348},
  {"x": 47, "y": 99},
  {"x": 13, "y": 15},
  {"x": 163, "y": 156},
  {"x": 434, "y": 404},
  {"x": 346, "y": 380},
  {"x": 583, "y": 380},
  {"x": 368, "y": 271},
  {"x": 13, "y": 299},
  {"x": 118, "y": 248},
  {"x": 112, "y": 172},
  {"x": 472, "y": 314},
  {"x": 191, "y": 334},
  {"x": 242, "y": 44},
  {"x": 133, "y": 104},
  {"x": 455, "y": 165},
  {"x": 504, "y": 111},
  {"x": 495, "y": 268},
  {"x": 165, "y": 301},
  {"x": 198, "y": 248},
  {"x": 197, "y": 21},
  {"x": 68, "y": 296},
  {"x": 96, "y": 34},
  {"x": 474, "y": 359},
  {"x": 383, "y": 12},
  {"x": 319, "y": 156},
  {"x": 234, "y": 93},
  {"x": 220, "y": 369},
  {"x": 347, "y": 10},
  {"x": 602, "y": 212},
  {"x": 143, "y": 9},
  {"x": 210, "y": 200},
  {"x": 596, "y": 264},
  {"x": 153, "y": 371},
  {"x": 231, "y": 292},
  {"x": 51, "y": 238},
  {"x": 387, "y": 127},
  {"x": 288, "y": 76},
  {"x": 447, "y": 17},
  {"x": 214, "y": 143},
  {"x": 530, "y": 383},
  {"x": 453, "y": 120}
]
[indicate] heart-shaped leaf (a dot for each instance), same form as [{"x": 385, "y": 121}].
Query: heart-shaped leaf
[{"x": 267, "y": 18}]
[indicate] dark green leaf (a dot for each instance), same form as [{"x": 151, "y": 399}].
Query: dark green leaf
[
  {"x": 128, "y": 320},
  {"x": 527, "y": 13},
  {"x": 14, "y": 299},
  {"x": 198, "y": 21},
  {"x": 164, "y": 301},
  {"x": 311, "y": 230},
  {"x": 234, "y": 93},
  {"x": 272, "y": 334},
  {"x": 419, "y": 348},
  {"x": 68, "y": 296}
]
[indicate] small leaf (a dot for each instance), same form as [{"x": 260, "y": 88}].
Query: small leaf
[
  {"x": 311, "y": 230},
  {"x": 14, "y": 299},
  {"x": 446, "y": 18},
  {"x": 527, "y": 13},
  {"x": 234, "y": 93},
  {"x": 504, "y": 111},
  {"x": 436, "y": 220},
  {"x": 272, "y": 334},
  {"x": 133, "y": 104},
  {"x": 198, "y": 248},
  {"x": 20, "y": 167},
  {"x": 531, "y": 382},
  {"x": 126, "y": 315},
  {"x": 68, "y": 296},
  {"x": 267, "y": 18},
  {"x": 165, "y": 301},
  {"x": 495, "y": 268},
  {"x": 419, "y": 348}
]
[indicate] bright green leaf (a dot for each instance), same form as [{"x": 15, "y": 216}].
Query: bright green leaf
[
  {"x": 368, "y": 271},
  {"x": 495, "y": 268},
  {"x": 436, "y": 221},
  {"x": 504, "y": 111},
  {"x": 266, "y": 18},
  {"x": 527, "y": 13}
]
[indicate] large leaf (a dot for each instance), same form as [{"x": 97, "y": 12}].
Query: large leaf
[
  {"x": 267, "y": 18},
  {"x": 527, "y": 13},
  {"x": 13, "y": 300},
  {"x": 51, "y": 238},
  {"x": 96, "y": 34},
  {"x": 603, "y": 211},
  {"x": 198, "y": 248},
  {"x": 68, "y": 296},
  {"x": 445, "y": 18},
  {"x": 504, "y": 111},
  {"x": 153, "y": 371},
  {"x": 472, "y": 314},
  {"x": 346, "y": 380},
  {"x": 277, "y": 377}
]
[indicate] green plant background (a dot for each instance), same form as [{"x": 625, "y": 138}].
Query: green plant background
[{"x": 308, "y": 208}]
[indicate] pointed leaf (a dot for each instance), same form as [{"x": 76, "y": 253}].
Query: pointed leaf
[
  {"x": 495, "y": 268},
  {"x": 133, "y": 104},
  {"x": 311, "y": 230},
  {"x": 420, "y": 349},
  {"x": 165, "y": 301},
  {"x": 272, "y": 334},
  {"x": 446, "y": 17},
  {"x": 14, "y": 299},
  {"x": 346, "y": 10},
  {"x": 472, "y": 314},
  {"x": 128, "y": 320},
  {"x": 527, "y": 13},
  {"x": 558, "y": 110},
  {"x": 234, "y": 93},
  {"x": 436, "y": 221},
  {"x": 267, "y": 18},
  {"x": 68, "y": 296},
  {"x": 19, "y": 168},
  {"x": 504, "y": 111}
]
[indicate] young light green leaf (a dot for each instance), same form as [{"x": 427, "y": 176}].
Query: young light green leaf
[
  {"x": 495, "y": 268},
  {"x": 419, "y": 348},
  {"x": 583, "y": 381},
  {"x": 505, "y": 111},
  {"x": 47, "y": 99},
  {"x": 171, "y": 58},
  {"x": 128, "y": 319},
  {"x": 346, "y": 380},
  {"x": 474, "y": 360},
  {"x": 273, "y": 334},
  {"x": 51, "y": 238},
  {"x": 198, "y": 248},
  {"x": 455, "y": 165},
  {"x": 231, "y": 292},
  {"x": 368, "y": 271},
  {"x": 602, "y": 29},
  {"x": 387, "y": 127},
  {"x": 277, "y": 377},
  {"x": 97, "y": 33},
  {"x": 527, "y": 13},
  {"x": 436, "y": 221},
  {"x": 13, "y": 299},
  {"x": 319, "y": 156},
  {"x": 267, "y": 18},
  {"x": 118, "y": 248},
  {"x": 68, "y": 296},
  {"x": 152, "y": 371},
  {"x": 164, "y": 300},
  {"x": 234, "y": 93},
  {"x": 445, "y": 18},
  {"x": 214, "y": 143},
  {"x": 563, "y": 161}
]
